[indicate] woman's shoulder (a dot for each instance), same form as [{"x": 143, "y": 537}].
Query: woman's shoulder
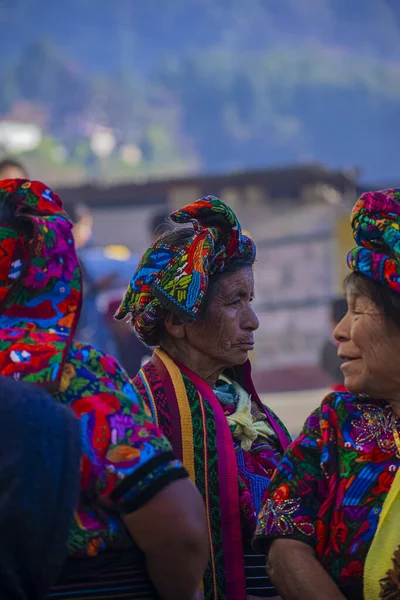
[
  {"x": 339, "y": 406},
  {"x": 89, "y": 369},
  {"x": 348, "y": 401},
  {"x": 335, "y": 399},
  {"x": 88, "y": 354},
  {"x": 335, "y": 410}
]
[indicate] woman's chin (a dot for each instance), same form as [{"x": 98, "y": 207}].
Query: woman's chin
[
  {"x": 241, "y": 356},
  {"x": 354, "y": 385}
]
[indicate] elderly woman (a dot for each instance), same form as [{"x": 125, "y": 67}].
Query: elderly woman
[
  {"x": 192, "y": 298},
  {"x": 331, "y": 514},
  {"x": 140, "y": 529}
]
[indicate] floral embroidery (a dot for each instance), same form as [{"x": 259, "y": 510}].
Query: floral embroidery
[
  {"x": 279, "y": 517},
  {"x": 38, "y": 316},
  {"x": 375, "y": 426},
  {"x": 331, "y": 484},
  {"x": 118, "y": 438}
]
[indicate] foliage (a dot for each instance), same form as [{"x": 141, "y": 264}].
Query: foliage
[{"x": 210, "y": 84}]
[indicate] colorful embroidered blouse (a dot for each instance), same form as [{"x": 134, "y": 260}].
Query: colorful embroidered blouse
[
  {"x": 125, "y": 460},
  {"x": 329, "y": 489}
]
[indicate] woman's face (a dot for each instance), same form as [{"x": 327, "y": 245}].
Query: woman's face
[
  {"x": 369, "y": 343},
  {"x": 226, "y": 333}
]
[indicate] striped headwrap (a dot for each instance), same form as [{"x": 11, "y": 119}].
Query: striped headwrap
[
  {"x": 376, "y": 229},
  {"x": 175, "y": 279}
]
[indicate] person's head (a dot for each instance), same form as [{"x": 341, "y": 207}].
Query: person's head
[
  {"x": 193, "y": 289},
  {"x": 40, "y": 282},
  {"x": 40, "y": 458},
  {"x": 82, "y": 219},
  {"x": 158, "y": 225},
  {"x": 12, "y": 169},
  {"x": 369, "y": 333}
]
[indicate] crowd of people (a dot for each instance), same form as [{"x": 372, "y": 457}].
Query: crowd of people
[{"x": 178, "y": 483}]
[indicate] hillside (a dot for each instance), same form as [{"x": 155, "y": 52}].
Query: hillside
[{"x": 206, "y": 85}]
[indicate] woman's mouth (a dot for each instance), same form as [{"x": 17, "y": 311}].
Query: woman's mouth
[
  {"x": 348, "y": 360},
  {"x": 245, "y": 346}
]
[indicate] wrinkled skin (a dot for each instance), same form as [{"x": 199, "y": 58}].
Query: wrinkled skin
[
  {"x": 372, "y": 343},
  {"x": 224, "y": 336}
]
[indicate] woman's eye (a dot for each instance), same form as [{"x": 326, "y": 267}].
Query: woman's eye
[{"x": 234, "y": 302}]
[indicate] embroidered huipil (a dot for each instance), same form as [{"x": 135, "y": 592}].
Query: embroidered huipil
[{"x": 329, "y": 489}]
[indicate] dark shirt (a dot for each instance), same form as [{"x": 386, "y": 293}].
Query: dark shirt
[{"x": 39, "y": 488}]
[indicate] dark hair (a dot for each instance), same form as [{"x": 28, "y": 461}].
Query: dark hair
[
  {"x": 159, "y": 223},
  {"x": 77, "y": 210},
  {"x": 385, "y": 298},
  {"x": 10, "y": 163},
  {"x": 338, "y": 309},
  {"x": 176, "y": 236}
]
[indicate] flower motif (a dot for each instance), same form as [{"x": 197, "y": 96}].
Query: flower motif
[
  {"x": 385, "y": 481},
  {"x": 122, "y": 453},
  {"x": 280, "y": 517},
  {"x": 375, "y": 426},
  {"x": 20, "y": 356},
  {"x": 353, "y": 571},
  {"x": 16, "y": 269}
]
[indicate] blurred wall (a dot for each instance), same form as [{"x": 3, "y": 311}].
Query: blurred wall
[
  {"x": 299, "y": 219},
  {"x": 127, "y": 226}
]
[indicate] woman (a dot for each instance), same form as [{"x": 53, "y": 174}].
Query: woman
[
  {"x": 35, "y": 431},
  {"x": 331, "y": 513},
  {"x": 12, "y": 169},
  {"x": 191, "y": 297},
  {"x": 140, "y": 529}
]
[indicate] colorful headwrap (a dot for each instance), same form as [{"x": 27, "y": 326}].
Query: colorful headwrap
[
  {"x": 40, "y": 283},
  {"x": 175, "y": 279},
  {"x": 376, "y": 230}
]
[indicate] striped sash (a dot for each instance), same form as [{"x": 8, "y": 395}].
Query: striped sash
[{"x": 190, "y": 415}]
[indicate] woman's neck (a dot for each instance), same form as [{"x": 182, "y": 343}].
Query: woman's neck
[
  {"x": 204, "y": 366},
  {"x": 395, "y": 404}
]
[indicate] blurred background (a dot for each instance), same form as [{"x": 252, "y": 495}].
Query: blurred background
[{"x": 286, "y": 109}]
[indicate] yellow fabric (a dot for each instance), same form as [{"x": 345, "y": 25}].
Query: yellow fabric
[
  {"x": 385, "y": 543},
  {"x": 184, "y": 411},
  {"x": 186, "y": 424},
  {"x": 247, "y": 429}
]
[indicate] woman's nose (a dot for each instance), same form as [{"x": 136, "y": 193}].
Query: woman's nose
[
  {"x": 253, "y": 321},
  {"x": 341, "y": 333}
]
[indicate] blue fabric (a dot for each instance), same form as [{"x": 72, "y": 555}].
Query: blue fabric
[{"x": 39, "y": 488}]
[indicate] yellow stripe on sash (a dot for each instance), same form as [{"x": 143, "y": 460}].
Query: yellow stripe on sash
[
  {"x": 186, "y": 421},
  {"x": 184, "y": 411},
  {"x": 149, "y": 391}
]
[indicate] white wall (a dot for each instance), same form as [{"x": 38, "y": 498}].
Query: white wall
[{"x": 127, "y": 226}]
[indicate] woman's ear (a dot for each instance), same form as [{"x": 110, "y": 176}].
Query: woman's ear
[{"x": 174, "y": 327}]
